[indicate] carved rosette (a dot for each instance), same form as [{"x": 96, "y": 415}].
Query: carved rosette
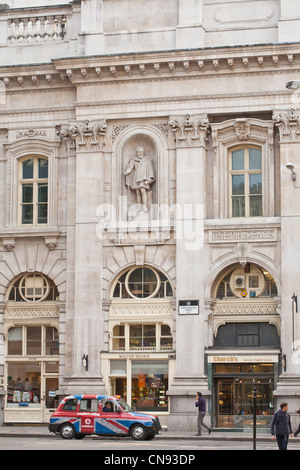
[
  {"x": 190, "y": 131},
  {"x": 288, "y": 124},
  {"x": 84, "y": 137}
]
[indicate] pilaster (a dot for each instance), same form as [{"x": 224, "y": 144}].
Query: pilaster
[
  {"x": 287, "y": 123},
  {"x": 190, "y": 137}
]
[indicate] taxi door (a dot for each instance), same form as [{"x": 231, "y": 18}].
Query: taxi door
[
  {"x": 88, "y": 413},
  {"x": 111, "y": 420}
]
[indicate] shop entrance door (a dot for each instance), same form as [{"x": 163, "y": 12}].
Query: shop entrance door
[
  {"x": 225, "y": 403},
  {"x": 118, "y": 387},
  {"x": 50, "y": 401}
]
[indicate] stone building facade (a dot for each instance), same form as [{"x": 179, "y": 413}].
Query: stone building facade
[{"x": 149, "y": 222}]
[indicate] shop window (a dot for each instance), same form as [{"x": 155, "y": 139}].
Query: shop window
[
  {"x": 246, "y": 182},
  {"x": 33, "y": 287},
  {"x": 34, "y": 191},
  {"x": 150, "y": 385},
  {"x": 142, "y": 283}
]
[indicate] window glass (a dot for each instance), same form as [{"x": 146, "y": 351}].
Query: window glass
[
  {"x": 14, "y": 341},
  {"x": 52, "y": 345},
  {"x": 23, "y": 385},
  {"x": 70, "y": 405},
  {"x": 89, "y": 404},
  {"x": 118, "y": 367},
  {"x": 43, "y": 168},
  {"x": 238, "y": 160},
  {"x": 149, "y": 385},
  {"x": 27, "y": 169},
  {"x": 34, "y": 340},
  {"x": 254, "y": 159}
]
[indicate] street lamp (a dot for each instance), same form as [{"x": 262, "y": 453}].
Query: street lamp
[{"x": 85, "y": 361}]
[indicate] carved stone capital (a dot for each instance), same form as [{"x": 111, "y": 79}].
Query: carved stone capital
[
  {"x": 288, "y": 124},
  {"x": 190, "y": 131},
  {"x": 84, "y": 137}
]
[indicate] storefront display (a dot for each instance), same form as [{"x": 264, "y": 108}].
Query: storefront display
[{"x": 233, "y": 385}]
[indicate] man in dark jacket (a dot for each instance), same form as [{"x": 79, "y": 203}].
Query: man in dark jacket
[
  {"x": 201, "y": 405},
  {"x": 281, "y": 426}
]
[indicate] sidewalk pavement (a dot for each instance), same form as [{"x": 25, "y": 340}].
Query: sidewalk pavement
[{"x": 40, "y": 431}]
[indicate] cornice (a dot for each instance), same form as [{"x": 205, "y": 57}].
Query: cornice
[{"x": 166, "y": 65}]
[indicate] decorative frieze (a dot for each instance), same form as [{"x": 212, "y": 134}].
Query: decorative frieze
[{"x": 190, "y": 131}]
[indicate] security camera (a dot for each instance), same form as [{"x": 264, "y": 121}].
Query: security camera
[{"x": 294, "y": 85}]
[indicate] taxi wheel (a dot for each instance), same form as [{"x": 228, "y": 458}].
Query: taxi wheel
[
  {"x": 67, "y": 431},
  {"x": 138, "y": 432}
]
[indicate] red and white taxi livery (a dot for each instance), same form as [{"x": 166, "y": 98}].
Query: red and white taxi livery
[{"x": 78, "y": 415}]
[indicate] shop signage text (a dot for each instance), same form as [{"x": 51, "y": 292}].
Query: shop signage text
[{"x": 262, "y": 359}]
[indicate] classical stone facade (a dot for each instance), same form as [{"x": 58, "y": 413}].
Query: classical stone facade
[{"x": 149, "y": 225}]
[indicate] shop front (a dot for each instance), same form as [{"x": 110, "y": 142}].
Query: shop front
[
  {"x": 233, "y": 379},
  {"x": 142, "y": 380}
]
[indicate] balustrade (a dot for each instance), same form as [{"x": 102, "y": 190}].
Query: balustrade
[{"x": 36, "y": 29}]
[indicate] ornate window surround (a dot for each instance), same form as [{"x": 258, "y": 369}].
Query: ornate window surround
[
  {"x": 15, "y": 152},
  {"x": 234, "y": 133}
]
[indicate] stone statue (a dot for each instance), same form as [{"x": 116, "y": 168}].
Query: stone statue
[{"x": 140, "y": 174}]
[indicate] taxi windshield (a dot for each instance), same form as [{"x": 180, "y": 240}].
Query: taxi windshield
[{"x": 124, "y": 405}]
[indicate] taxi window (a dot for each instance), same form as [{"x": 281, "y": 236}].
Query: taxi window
[
  {"x": 89, "y": 404},
  {"x": 70, "y": 405},
  {"x": 108, "y": 406}
]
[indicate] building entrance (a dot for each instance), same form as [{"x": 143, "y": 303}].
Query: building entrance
[{"x": 233, "y": 395}]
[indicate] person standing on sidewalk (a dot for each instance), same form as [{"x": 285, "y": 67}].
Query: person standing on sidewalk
[
  {"x": 281, "y": 426},
  {"x": 201, "y": 405}
]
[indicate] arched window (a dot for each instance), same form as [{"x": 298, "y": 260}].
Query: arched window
[
  {"x": 142, "y": 283},
  {"x": 33, "y": 196},
  {"x": 246, "y": 182},
  {"x": 32, "y": 287}
]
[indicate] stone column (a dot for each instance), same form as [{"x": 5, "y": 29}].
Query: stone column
[
  {"x": 288, "y": 387},
  {"x": 83, "y": 316},
  {"x": 190, "y": 135}
]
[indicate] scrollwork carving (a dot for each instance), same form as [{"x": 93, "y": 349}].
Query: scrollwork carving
[{"x": 190, "y": 131}]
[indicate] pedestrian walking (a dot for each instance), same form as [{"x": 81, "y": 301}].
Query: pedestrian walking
[
  {"x": 281, "y": 426},
  {"x": 201, "y": 405}
]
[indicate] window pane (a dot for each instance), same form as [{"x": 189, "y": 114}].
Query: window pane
[
  {"x": 43, "y": 168},
  {"x": 42, "y": 192},
  {"x": 27, "y": 214},
  {"x": 34, "y": 340},
  {"x": 255, "y": 206},
  {"x": 27, "y": 169},
  {"x": 51, "y": 341},
  {"x": 15, "y": 341},
  {"x": 255, "y": 184},
  {"x": 42, "y": 213},
  {"x": 238, "y": 160},
  {"x": 238, "y": 185},
  {"x": 27, "y": 193},
  {"x": 238, "y": 206},
  {"x": 254, "y": 159}
]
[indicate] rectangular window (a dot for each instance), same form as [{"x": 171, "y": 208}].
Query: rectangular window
[
  {"x": 15, "y": 341},
  {"x": 34, "y": 191},
  {"x": 246, "y": 182},
  {"x": 142, "y": 337}
]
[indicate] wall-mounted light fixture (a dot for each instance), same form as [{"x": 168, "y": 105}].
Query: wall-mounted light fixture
[
  {"x": 291, "y": 167},
  {"x": 294, "y": 85},
  {"x": 294, "y": 309},
  {"x": 85, "y": 361}
]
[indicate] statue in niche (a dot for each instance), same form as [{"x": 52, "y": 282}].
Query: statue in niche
[{"x": 140, "y": 175}]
